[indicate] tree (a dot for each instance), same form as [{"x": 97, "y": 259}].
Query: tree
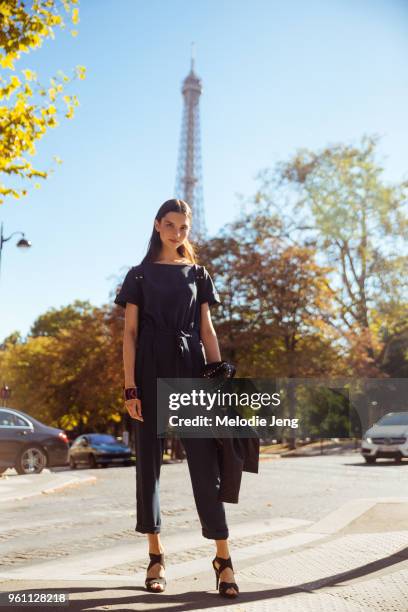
[
  {"x": 11, "y": 339},
  {"x": 69, "y": 374},
  {"x": 55, "y": 320},
  {"x": 337, "y": 199},
  {"x": 325, "y": 411},
  {"x": 276, "y": 304},
  {"x": 27, "y": 108},
  {"x": 275, "y": 300},
  {"x": 395, "y": 354}
]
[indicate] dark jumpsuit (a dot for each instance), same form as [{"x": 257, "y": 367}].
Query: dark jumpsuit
[{"x": 169, "y": 297}]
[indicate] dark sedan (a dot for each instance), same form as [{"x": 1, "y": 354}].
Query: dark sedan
[
  {"x": 28, "y": 445},
  {"x": 96, "y": 449}
]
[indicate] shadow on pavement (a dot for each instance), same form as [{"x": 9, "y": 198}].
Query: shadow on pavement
[{"x": 192, "y": 600}]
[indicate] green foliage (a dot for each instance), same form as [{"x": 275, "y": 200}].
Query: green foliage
[
  {"x": 338, "y": 200},
  {"x": 395, "y": 355},
  {"x": 324, "y": 412}
]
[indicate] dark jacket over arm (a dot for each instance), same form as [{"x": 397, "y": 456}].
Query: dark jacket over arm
[{"x": 235, "y": 455}]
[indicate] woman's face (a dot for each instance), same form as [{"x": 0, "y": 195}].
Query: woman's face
[{"x": 173, "y": 228}]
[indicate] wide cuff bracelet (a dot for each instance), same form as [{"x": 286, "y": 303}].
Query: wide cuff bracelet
[{"x": 130, "y": 393}]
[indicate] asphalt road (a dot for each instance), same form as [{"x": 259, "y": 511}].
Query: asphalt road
[{"x": 97, "y": 516}]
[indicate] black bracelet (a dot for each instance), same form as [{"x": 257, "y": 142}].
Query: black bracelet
[{"x": 130, "y": 393}]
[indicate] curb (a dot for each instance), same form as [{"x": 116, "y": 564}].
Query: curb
[
  {"x": 328, "y": 453},
  {"x": 51, "y": 489},
  {"x": 270, "y": 457},
  {"x": 69, "y": 483}
]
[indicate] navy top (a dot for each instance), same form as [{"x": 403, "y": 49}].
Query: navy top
[
  {"x": 168, "y": 295},
  {"x": 169, "y": 299}
]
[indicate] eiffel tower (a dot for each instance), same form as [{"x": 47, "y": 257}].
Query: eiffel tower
[{"x": 189, "y": 178}]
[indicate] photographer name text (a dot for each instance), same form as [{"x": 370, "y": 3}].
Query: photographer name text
[{"x": 237, "y": 421}]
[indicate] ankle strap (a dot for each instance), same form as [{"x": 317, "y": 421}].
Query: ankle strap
[
  {"x": 156, "y": 559},
  {"x": 224, "y": 563}
]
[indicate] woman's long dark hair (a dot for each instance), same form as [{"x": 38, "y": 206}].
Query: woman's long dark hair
[{"x": 185, "y": 250}]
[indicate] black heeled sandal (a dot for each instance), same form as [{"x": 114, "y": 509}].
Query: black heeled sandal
[
  {"x": 224, "y": 586},
  {"x": 160, "y": 579}
]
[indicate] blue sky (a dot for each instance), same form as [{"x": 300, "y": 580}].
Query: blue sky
[{"x": 277, "y": 76}]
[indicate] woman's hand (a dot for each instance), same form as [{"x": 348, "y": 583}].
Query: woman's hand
[{"x": 134, "y": 408}]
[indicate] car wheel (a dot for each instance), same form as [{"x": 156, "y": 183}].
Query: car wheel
[
  {"x": 92, "y": 462},
  {"x": 32, "y": 460},
  {"x": 72, "y": 464},
  {"x": 370, "y": 460}
]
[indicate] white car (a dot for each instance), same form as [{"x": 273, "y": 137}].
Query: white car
[{"x": 388, "y": 438}]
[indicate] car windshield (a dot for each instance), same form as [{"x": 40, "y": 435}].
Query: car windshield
[
  {"x": 102, "y": 439},
  {"x": 395, "y": 418}
]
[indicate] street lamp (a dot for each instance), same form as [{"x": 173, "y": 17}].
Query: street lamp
[{"x": 23, "y": 243}]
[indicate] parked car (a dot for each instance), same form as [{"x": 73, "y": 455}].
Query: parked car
[
  {"x": 388, "y": 438},
  {"x": 94, "y": 449},
  {"x": 28, "y": 445}
]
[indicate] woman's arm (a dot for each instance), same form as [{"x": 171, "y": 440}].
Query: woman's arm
[
  {"x": 129, "y": 343},
  {"x": 208, "y": 335},
  {"x": 134, "y": 406}
]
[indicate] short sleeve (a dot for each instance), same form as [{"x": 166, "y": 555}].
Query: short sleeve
[
  {"x": 131, "y": 289},
  {"x": 208, "y": 291}
]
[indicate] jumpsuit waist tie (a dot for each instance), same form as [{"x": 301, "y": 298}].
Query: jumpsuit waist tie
[{"x": 181, "y": 338}]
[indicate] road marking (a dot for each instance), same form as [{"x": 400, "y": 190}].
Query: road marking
[
  {"x": 340, "y": 518},
  {"x": 78, "y": 566}
]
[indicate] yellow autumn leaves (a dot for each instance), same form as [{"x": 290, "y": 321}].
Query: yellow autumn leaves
[{"x": 28, "y": 109}]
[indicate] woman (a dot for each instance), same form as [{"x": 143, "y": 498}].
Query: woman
[{"x": 167, "y": 325}]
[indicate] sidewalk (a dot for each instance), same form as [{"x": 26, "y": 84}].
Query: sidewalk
[
  {"x": 310, "y": 449},
  {"x": 326, "y": 447},
  {"x": 354, "y": 560},
  {"x": 14, "y": 486}
]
